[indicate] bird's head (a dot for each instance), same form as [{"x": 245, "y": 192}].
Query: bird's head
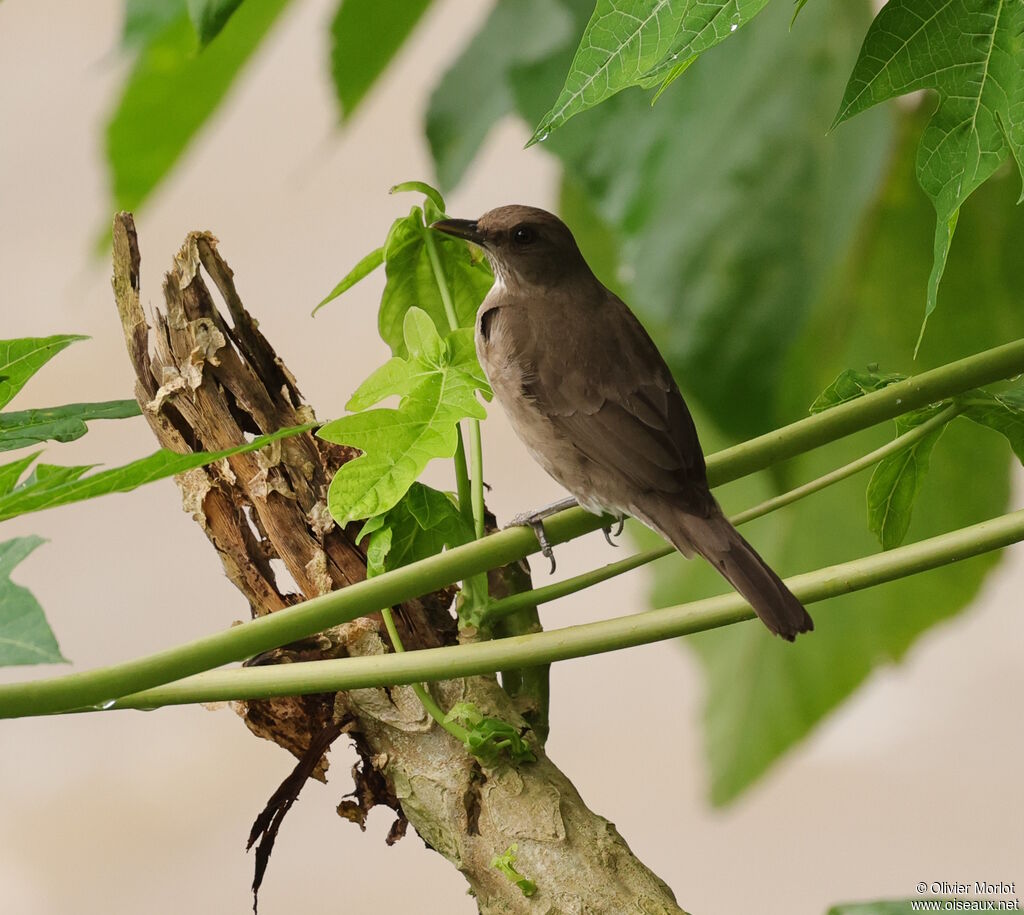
[{"x": 526, "y": 246}]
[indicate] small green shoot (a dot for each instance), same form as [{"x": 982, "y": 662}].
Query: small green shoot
[
  {"x": 489, "y": 739},
  {"x": 506, "y": 863}
]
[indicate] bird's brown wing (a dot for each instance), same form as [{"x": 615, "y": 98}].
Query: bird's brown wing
[{"x": 617, "y": 402}]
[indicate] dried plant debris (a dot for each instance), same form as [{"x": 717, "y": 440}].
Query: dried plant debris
[{"x": 266, "y": 826}]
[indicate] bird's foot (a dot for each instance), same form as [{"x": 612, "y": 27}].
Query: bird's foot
[
  {"x": 607, "y": 531},
  {"x": 542, "y": 538},
  {"x": 535, "y": 521}
]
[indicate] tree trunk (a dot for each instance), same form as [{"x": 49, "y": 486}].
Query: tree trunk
[{"x": 208, "y": 384}]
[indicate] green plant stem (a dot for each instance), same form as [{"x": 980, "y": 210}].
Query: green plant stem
[
  {"x": 439, "y": 278},
  {"x": 422, "y": 693},
  {"x": 847, "y": 470},
  {"x": 475, "y": 451},
  {"x": 461, "y": 471},
  {"x": 576, "y": 641},
  {"x": 902, "y": 397},
  {"x": 476, "y": 454},
  {"x": 499, "y": 609},
  {"x": 516, "y": 602},
  {"x": 474, "y": 588},
  {"x": 462, "y": 478},
  {"x": 471, "y": 490},
  {"x": 97, "y": 687}
]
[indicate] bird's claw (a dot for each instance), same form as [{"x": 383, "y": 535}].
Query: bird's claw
[
  {"x": 545, "y": 547},
  {"x": 536, "y": 524},
  {"x": 607, "y": 531}
]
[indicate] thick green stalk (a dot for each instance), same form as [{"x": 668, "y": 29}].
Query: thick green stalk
[
  {"x": 96, "y": 687},
  {"x": 99, "y": 686},
  {"x": 917, "y": 391},
  {"x": 576, "y": 641}
]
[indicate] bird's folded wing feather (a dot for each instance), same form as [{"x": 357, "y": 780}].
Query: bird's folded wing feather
[{"x": 621, "y": 408}]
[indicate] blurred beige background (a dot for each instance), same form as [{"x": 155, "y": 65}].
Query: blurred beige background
[{"x": 916, "y": 779}]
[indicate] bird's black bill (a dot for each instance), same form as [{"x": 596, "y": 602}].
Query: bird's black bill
[{"x": 460, "y": 228}]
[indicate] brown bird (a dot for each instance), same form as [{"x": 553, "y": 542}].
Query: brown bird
[{"x": 587, "y": 391}]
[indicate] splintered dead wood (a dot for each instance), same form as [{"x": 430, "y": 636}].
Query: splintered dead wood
[{"x": 208, "y": 379}]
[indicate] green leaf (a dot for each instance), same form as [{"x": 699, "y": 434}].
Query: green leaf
[
  {"x": 210, "y": 16},
  {"x": 705, "y": 25},
  {"x": 797, "y": 6},
  {"x": 477, "y": 92},
  {"x": 850, "y": 385},
  {"x": 25, "y": 636},
  {"x": 410, "y": 273},
  {"x": 672, "y": 76},
  {"x": 171, "y": 92},
  {"x": 432, "y": 509},
  {"x": 971, "y": 53},
  {"x": 422, "y": 341},
  {"x": 461, "y": 350},
  {"x": 398, "y": 376},
  {"x": 51, "y": 485},
  {"x": 764, "y": 697},
  {"x": 61, "y": 424},
  {"x": 364, "y": 38},
  {"x": 622, "y": 44},
  {"x": 506, "y": 863},
  {"x": 20, "y": 359},
  {"x": 377, "y": 550},
  {"x": 145, "y": 18},
  {"x": 360, "y": 271},
  {"x": 490, "y": 739},
  {"x": 421, "y": 187},
  {"x": 438, "y": 382},
  {"x": 896, "y": 480},
  {"x": 647, "y": 43},
  {"x": 731, "y": 214},
  {"x": 423, "y": 523},
  {"x": 51, "y": 475},
  {"x": 1002, "y": 412},
  {"x": 11, "y": 473},
  {"x": 411, "y": 282}
]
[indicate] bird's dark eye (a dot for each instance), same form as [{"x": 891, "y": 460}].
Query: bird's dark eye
[{"x": 523, "y": 235}]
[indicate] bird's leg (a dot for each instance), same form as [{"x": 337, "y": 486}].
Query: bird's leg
[
  {"x": 618, "y": 531},
  {"x": 535, "y": 520}
]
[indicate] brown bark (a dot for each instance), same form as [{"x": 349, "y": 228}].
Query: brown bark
[{"x": 206, "y": 382}]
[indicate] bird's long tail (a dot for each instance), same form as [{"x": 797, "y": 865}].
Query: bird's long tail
[{"x": 739, "y": 563}]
